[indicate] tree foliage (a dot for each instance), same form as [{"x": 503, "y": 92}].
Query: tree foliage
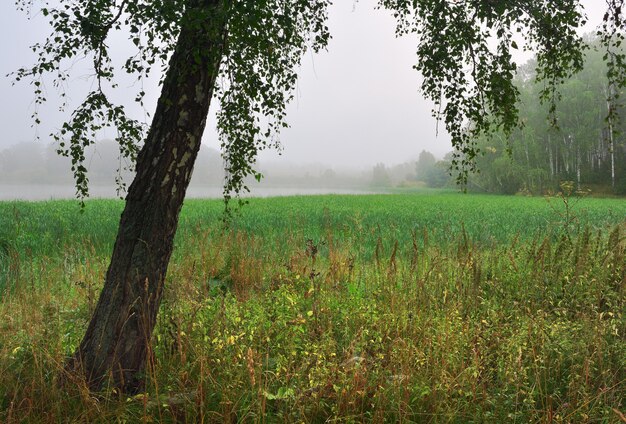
[
  {"x": 425, "y": 164},
  {"x": 264, "y": 40},
  {"x": 538, "y": 156},
  {"x": 465, "y": 55}
]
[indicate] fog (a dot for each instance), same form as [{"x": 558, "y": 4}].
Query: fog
[
  {"x": 34, "y": 171},
  {"x": 356, "y": 105}
]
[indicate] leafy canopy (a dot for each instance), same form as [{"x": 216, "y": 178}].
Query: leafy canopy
[
  {"x": 464, "y": 53},
  {"x": 264, "y": 44}
]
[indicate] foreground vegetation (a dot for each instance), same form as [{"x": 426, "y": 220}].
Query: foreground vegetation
[{"x": 432, "y": 307}]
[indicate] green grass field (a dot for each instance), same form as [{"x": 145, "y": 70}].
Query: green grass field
[{"x": 425, "y": 307}]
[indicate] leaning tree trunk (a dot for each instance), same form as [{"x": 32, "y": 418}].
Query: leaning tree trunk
[{"x": 114, "y": 348}]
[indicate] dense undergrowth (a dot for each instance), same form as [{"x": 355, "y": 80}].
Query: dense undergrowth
[{"x": 438, "y": 308}]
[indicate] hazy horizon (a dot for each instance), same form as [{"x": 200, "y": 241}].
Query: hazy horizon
[
  {"x": 356, "y": 105},
  {"x": 34, "y": 171}
]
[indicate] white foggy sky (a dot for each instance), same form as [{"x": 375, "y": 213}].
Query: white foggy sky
[{"x": 357, "y": 103}]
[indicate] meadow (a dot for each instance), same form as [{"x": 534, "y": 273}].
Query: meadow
[{"x": 421, "y": 307}]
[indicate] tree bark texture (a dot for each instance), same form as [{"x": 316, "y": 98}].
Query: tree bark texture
[{"x": 116, "y": 343}]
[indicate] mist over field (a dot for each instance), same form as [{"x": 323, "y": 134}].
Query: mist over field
[{"x": 34, "y": 171}]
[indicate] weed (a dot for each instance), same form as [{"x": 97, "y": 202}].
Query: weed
[{"x": 421, "y": 309}]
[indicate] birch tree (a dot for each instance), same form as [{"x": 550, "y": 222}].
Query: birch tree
[{"x": 241, "y": 57}]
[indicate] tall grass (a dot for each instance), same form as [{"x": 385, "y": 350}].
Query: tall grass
[{"x": 334, "y": 308}]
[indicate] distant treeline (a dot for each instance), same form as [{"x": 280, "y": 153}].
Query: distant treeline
[
  {"x": 426, "y": 171},
  {"x": 540, "y": 155},
  {"x": 580, "y": 148},
  {"x": 38, "y": 163}
]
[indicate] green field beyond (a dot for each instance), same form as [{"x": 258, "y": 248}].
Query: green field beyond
[
  {"x": 46, "y": 228},
  {"x": 425, "y": 307}
]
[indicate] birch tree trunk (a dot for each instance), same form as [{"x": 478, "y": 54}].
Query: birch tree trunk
[
  {"x": 612, "y": 153},
  {"x": 609, "y": 108},
  {"x": 116, "y": 342}
]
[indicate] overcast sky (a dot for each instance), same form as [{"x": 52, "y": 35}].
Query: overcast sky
[{"x": 357, "y": 104}]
